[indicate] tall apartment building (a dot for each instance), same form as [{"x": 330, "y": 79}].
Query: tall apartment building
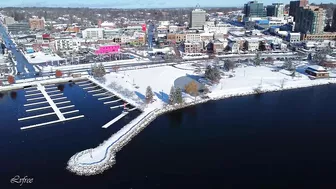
[
  {"x": 276, "y": 10},
  {"x": 310, "y": 19},
  {"x": 254, "y": 9},
  {"x": 93, "y": 33},
  {"x": 36, "y": 23},
  {"x": 295, "y": 5},
  {"x": 197, "y": 18}
]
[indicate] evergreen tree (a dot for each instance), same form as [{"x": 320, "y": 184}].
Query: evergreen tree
[
  {"x": 172, "y": 99},
  {"x": 213, "y": 74},
  {"x": 149, "y": 94},
  {"x": 178, "y": 96}
]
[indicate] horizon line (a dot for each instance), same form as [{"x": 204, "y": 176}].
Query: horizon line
[{"x": 117, "y": 8}]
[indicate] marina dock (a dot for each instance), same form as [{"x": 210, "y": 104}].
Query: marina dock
[{"x": 115, "y": 120}]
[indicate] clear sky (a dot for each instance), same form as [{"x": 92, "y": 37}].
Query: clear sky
[{"x": 137, "y": 3}]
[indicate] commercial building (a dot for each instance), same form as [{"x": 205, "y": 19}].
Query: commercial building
[
  {"x": 93, "y": 33},
  {"x": 254, "y": 9},
  {"x": 36, "y": 23},
  {"x": 310, "y": 19},
  {"x": 9, "y": 20},
  {"x": 276, "y": 10},
  {"x": 18, "y": 27},
  {"x": 295, "y": 5},
  {"x": 197, "y": 19},
  {"x": 108, "y": 48}
]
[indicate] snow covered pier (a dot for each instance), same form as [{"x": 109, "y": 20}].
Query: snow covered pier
[
  {"x": 51, "y": 105},
  {"x": 115, "y": 120}
]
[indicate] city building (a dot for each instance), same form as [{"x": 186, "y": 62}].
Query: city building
[
  {"x": 93, "y": 33},
  {"x": 67, "y": 43},
  {"x": 276, "y": 10},
  {"x": 295, "y": 5},
  {"x": 207, "y": 36},
  {"x": 111, "y": 33},
  {"x": 18, "y": 27},
  {"x": 294, "y": 37},
  {"x": 194, "y": 47},
  {"x": 193, "y": 37},
  {"x": 310, "y": 19},
  {"x": 108, "y": 48},
  {"x": 197, "y": 18},
  {"x": 179, "y": 37},
  {"x": 219, "y": 45},
  {"x": 9, "y": 20},
  {"x": 36, "y": 23},
  {"x": 254, "y": 9},
  {"x": 217, "y": 29},
  {"x": 252, "y": 44}
]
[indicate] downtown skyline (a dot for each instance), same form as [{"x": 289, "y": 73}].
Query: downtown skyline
[{"x": 130, "y": 4}]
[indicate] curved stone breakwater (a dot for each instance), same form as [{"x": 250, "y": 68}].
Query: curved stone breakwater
[{"x": 136, "y": 126}]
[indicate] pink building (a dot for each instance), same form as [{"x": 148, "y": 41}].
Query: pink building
[{"x": 110, "y": 48}]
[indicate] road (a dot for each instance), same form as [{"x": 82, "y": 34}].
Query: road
[{"x": 22, "y": 62}]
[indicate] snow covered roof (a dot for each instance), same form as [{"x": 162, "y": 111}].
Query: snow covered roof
[{"x": 316, "y": 67}]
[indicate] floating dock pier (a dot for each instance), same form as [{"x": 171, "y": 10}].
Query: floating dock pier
[
  {"x": 103, "y": 98},
  {"x": 110, "y": 102},
  {"x": 51, "y": 122},
  {"x": 119, "y": 106},
  {"x": 93, "y": 91},
  {"x": 52, "y": 105},
  {"x": 101, "y": 94},
  {"x": 115, "y": 120}
]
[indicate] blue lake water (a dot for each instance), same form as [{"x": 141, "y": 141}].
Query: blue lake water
[{"x": 276, "y": 140}]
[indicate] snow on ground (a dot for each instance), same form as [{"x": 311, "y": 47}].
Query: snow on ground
[
  {"x": 41, "y": 57},
  {"x": 160, "y": 79}
]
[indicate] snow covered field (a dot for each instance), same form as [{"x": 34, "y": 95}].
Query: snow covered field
[{"x": 160, "y": 79}]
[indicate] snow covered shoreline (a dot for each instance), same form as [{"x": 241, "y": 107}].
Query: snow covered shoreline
[{"x": 84, "y": 163}]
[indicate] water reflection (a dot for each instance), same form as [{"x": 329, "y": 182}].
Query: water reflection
[
  {"x": 13, "y": 95},
  {"x": 1, "y": 95},
  {"x": 60, "y": 87},
  {"x": 176, "y": 119}
]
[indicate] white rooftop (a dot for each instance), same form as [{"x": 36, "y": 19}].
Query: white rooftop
[{"x": 317, "y": 68}]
